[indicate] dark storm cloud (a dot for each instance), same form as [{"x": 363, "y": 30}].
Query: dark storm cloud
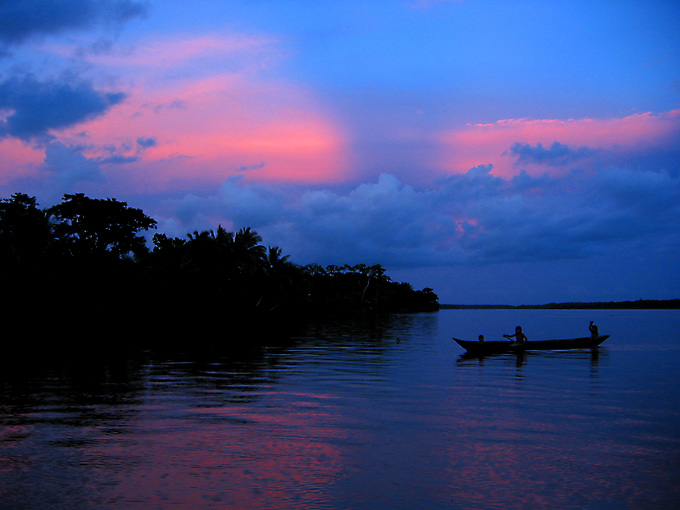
[
  {"x": 69, "y": 166},
  {"x": 474, "y": 217},
  {"x": 557, "y": 154},
  {"x": 560, "y": 218},
  {"x": 65, "y": 169},
  {"x": 34, "y": 107},
  {"x": 23, "y": 19}
]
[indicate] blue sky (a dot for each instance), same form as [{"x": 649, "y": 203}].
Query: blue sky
[{"x": 496, "y": 151}]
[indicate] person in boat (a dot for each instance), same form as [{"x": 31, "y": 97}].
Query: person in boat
[
  {"x": 481, "y": 338},
  {"x": 594, "y": 332},
  {"x": 519, "y": 336}
]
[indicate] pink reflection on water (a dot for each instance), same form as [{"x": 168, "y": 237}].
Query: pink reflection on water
[
  {"x": 234, "y": 457},
  {"x": 502, "y": 456}
]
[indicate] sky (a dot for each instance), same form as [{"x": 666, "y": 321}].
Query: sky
[{"x": 497, "y": 151}]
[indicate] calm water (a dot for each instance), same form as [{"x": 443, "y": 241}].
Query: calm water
[{"x": 368, "y": 415}]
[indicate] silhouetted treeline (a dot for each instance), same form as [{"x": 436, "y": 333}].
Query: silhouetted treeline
[
  {"x": 85, "y": 260},
  {"x": 640, "y": 304}
]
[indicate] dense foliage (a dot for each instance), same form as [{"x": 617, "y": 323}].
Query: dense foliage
[{"x": 88, "y": 257}]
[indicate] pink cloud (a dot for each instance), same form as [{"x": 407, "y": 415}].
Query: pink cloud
[
  {"x": 153, "y": 54},
  {"x": 18, "y": 160},
  {"x": 477, "y": 144},
  {"x": 217, "y": 125}
]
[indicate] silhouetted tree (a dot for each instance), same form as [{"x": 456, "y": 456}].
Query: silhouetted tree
[
  {"x": 96, "y": 227},
  {"x": 25, "y": 232},
  {"x": 363, "y": 288},
  {"x": 429, "y": 299},
  {"x": 285, "y": 287},
  {"x": 89, "y": 263},
  {"x": 167, "y": 253},
  {"x": 249, "y": 254},
  {"x": 25, "y": 241}
]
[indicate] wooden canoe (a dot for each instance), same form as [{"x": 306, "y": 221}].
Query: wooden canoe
[{"x": 477, "y": 347}]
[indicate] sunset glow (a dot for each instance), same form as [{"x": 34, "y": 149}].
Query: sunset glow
[
  {"x": 503, "y": 136},
  {"x": 492, "y": 143}
]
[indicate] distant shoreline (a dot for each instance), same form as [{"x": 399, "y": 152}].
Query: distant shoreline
[{"x": 640, "y": 304}]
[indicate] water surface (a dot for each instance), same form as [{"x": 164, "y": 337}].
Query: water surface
[{"x": 368, "y": 414}]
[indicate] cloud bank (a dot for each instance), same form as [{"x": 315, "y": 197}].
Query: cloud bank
[
  {"x": 555, "y": 145},
  {"x": 473, "y": 218},
  {"x": 35, "y": 107},
  {"x": 23, "y": 19}
]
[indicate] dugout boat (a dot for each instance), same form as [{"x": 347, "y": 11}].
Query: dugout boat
[{"x": 499, "y": 347}]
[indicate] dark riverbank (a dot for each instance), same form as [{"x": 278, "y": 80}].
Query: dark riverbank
[
  {"x": 84, "y": 270},
  {"x": 640, "y": 304}
]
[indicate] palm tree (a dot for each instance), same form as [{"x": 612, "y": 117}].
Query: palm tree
[{"x": 249, "y": 253}]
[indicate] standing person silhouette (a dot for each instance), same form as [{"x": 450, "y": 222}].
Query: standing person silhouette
[{"x": 594, "y": 332}]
